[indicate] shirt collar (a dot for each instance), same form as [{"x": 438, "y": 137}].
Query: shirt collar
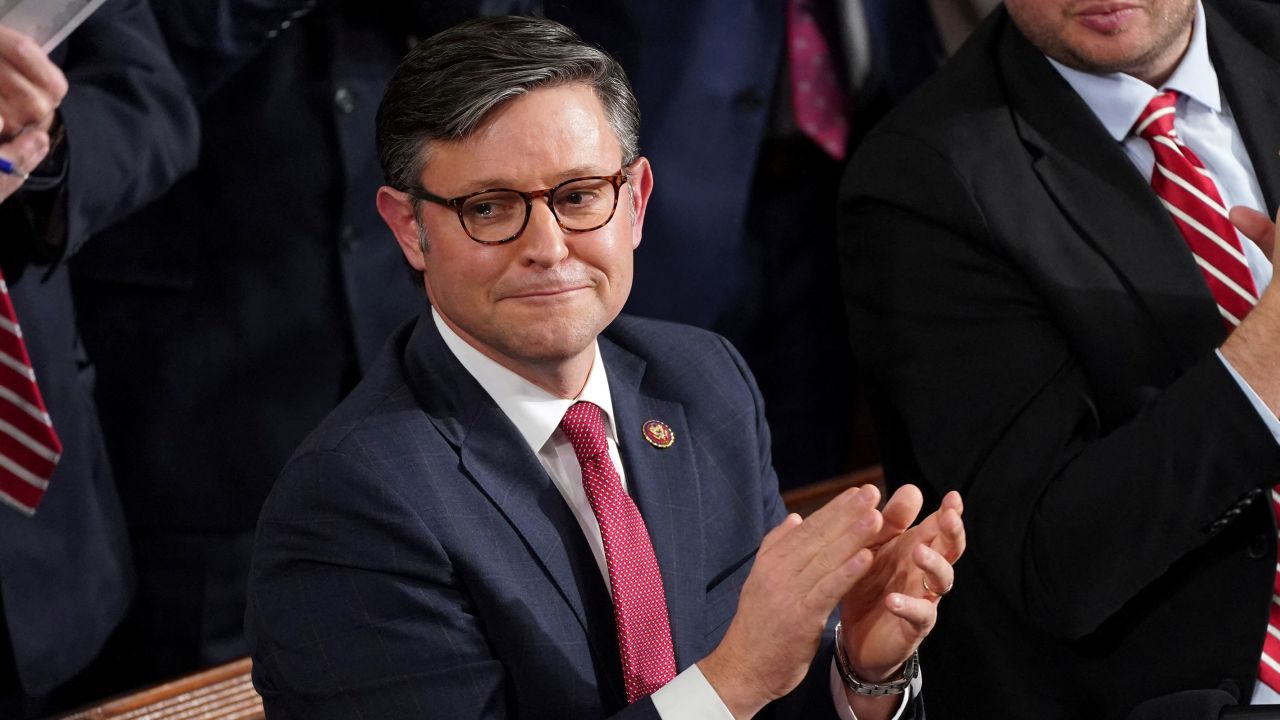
[
  {"x": 1118, "y": 99},
  {"x": 535, "y": 412}
]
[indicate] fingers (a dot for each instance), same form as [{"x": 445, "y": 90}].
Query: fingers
[
  {"x": 817, "y": 557},
  {"x": 31, "y": 85},
  {"x": 939, "y": 575},
  {"x": 771, "y": 538},
  {"x": 25, "y": 152},
  {"x": 1255, "y": 226},
  {"x": 833, "y": 586},
  {"x": 900, "y": 512},
  {"x": 919, "y": 612},
  {"x": 950, "y": 540},
  {"x": 953, "y": 501},
  {"x": 851, "y": 510}
]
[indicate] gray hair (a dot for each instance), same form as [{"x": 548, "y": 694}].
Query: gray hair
[{"x": 447, "y": 85}]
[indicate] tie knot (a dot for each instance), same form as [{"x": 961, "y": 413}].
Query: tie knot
[
  {"x": 1156, "y": 119},
  {"x": 583, "y": 423}
]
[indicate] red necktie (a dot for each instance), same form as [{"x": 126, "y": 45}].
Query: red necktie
[
  {"x": 29, "y": 448},
  {"x": 1188, "y": 192},
  {"x": 1191, "y": 197},
  {"x": 817, "y": 98},
  {"x": 639, "y": 603},
  {"x": 1269, "y": 667}
]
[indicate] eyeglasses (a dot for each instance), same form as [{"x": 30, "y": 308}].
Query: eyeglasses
[{"x": 500, "y": 215}]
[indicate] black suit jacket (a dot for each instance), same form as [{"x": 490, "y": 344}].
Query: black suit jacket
[
  {"x": 1037, "y": 336},
  {"x": 65, "y": 573},
  {"x": 415, "y": 560}
]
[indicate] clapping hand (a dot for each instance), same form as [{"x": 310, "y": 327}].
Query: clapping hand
[{"x": 894, "y": 606}]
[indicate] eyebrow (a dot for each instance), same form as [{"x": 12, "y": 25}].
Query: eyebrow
[{"x": 569, "y": 174}]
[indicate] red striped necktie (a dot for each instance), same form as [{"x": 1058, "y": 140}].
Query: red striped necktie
[
  {"x": 1269, "y": 667},
  {"x": 1188, "y": 192},
  {"x": 29, "y": 448},
  {"x": 639, "y": 602}
]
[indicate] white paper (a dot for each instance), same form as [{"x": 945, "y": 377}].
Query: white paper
[{"x": 48, "y": 22}]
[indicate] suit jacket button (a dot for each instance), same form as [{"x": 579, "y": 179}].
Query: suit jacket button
[
  {"x": 350, "y": 240},
  {"x": 1257, "y": 547},
  {"x": 344, "y": 100}
]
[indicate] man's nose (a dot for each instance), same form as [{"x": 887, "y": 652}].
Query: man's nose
[{"x": 544, "y": 241}]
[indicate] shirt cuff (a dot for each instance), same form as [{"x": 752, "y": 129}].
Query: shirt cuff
[
  {"x": 1264, "y": 412},
  {"x": 841, "y": 700},
  {"x": 689, "y": 697}
]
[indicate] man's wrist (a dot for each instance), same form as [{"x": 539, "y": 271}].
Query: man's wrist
[
  {"x": 720, "y": 675},
  {"x": 894, "y": 683}
]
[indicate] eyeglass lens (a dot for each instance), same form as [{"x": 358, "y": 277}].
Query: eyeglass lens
[{"x": 578, "y": 205}]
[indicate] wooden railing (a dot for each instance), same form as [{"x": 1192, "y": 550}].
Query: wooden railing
[
  {"x": 808, "y": 498},
  {"x": 221, "y": 693}
]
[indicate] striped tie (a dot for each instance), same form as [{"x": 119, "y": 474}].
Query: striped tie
[
  {"x": 29, "y": 448},
  {"x": 639, "y": 602},
  {"x": 1188, "y": 192},
  {"x": 1269, "y": 668}
]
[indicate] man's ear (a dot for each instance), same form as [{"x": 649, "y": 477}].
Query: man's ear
[
  {"x": 397, "y": 211},
  {"x": 641, "y": 187}
]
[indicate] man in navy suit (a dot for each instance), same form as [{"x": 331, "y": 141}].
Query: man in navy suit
[{"x": 448, "y": 543}]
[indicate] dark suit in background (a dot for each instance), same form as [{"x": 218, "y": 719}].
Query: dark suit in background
[
  {"x": 65, "y": 574},
  {"x": 232, "y": 315},
  {"x": 1038, "y": 336},
  {"x": 740, "y": 237},
  {"x": 416, "y": 560}
]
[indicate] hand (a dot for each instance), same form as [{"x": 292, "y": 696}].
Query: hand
[
  {"x": 889, "y": 612},
  {"x": 25, "y": 152},
  {"x": 1257, "y": 227},
  {"x": 801, "y": 571},
  {"x": 1253, "y": 346},
  {"x": 31, "y": 85}
]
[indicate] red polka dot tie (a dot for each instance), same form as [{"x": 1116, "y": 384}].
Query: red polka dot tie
[
  {"x": 817, "y": 97},
  {"x": 29, "y": 448},
  {"x": 639, "y": 603}
]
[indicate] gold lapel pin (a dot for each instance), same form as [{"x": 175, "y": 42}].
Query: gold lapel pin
[{"x": 659, "y": 434}]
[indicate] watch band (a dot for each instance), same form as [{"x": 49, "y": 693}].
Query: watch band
[{"x": 895, "y": 686}]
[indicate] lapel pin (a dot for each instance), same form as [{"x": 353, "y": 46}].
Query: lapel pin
[{"x": 659, "y": 434}]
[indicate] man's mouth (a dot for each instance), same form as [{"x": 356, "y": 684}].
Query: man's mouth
[{"x": 1107, "y": 18}]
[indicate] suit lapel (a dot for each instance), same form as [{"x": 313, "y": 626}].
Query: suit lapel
[
  {"x": 664, "y": 483},
  {"x": 496, "y": 458},
  {"x": 1251, "y": 82},
  {"x": 1106, "y": 198}
]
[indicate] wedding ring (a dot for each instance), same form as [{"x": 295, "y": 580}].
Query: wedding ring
[{"x": 924, "y": 580}]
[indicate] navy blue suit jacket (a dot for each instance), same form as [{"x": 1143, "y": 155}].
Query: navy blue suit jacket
[
  {"x": 65, "y": 573},
  {"x": 415, "y": 560}
]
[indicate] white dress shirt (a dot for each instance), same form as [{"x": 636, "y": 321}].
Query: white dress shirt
[
  {"x": 1205, "y": 123},
  {"x": 536, "y": 415}
]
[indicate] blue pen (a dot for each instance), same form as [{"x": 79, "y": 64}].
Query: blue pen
[{"x": 7, "y": 167}]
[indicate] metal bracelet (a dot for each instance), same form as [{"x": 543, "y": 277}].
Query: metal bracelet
[{"x": 896, "y": 686}]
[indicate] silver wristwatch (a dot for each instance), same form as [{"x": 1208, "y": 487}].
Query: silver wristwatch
[{"x": 893, "y": 686}]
